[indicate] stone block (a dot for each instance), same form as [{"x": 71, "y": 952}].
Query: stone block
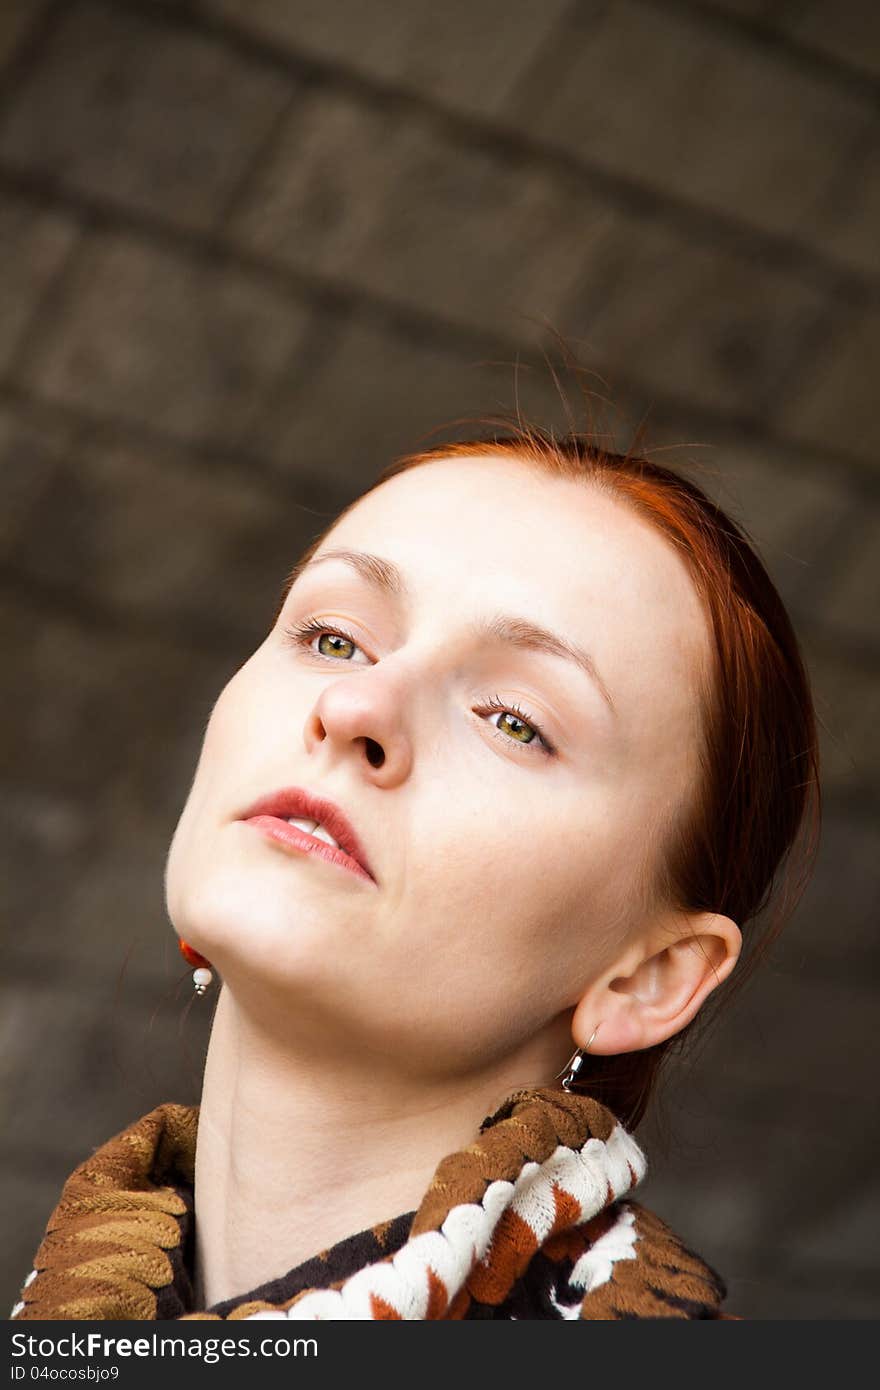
[
  {"x": 324, "y": 184},
  {"x": 849, "y": 32},
  {"x": 83, "y": 886},
  {"x": 816, "y": 1292},
  {"x": 101, "y": 1063},
  {"x": 33, "y": 447},
  {"x": 833, "y": 404},
  {"x": 34, "y": 244},
  {"x": 833, "y": 933},
  {"x": 699, "y": 321},
  {"x": 846, "y": 1230},
  {"x": 375, "y": 390},
  {"x": 710, "y": 1168},
  {"x": 792, "y": 513},
  {"x": 470, "y": 57},
  {"x": 186, "y": 347},
  {"x": 96, "y": 767},
  {"x": 850, "y": 221},
  {"x": 46, "y": 836},
  {"x": 375, "y": 196},
  {"x": 700, "y": 111},
  {"x": 96, "y": 524},
  {"x": 774, "y": 1032},
  {"x": 742, "y": 9},
  {"x": 748, "y": 1172},
  {"x": 95, "y": 699},
  {"x": 122, "y": 106},
  {"x": 17, "y": 20},
  {"x": 378, "y": 389},
  {"x": 850, "y": 602},
  {"x": 846, "y": 691}
]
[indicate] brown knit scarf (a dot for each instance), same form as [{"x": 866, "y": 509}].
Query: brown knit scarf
[{"x": 533, "y": 1215}]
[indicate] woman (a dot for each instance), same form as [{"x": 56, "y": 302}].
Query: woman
[{"x": 546, "y": 716}]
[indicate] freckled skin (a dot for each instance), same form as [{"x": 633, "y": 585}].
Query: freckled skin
[{"x": 507, "y": 878}]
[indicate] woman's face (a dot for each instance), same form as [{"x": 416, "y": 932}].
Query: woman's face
[{"x": 508, "y": 862}]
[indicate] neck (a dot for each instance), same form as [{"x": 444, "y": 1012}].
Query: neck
[{"x": 291, "y": 1158}]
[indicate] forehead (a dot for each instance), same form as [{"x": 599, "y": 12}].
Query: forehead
[{"x": 475, "y": 534}]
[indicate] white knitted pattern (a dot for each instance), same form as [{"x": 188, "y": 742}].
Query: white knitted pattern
[
  {"x": 466, "y": 1234},
  {"x": 17, "y": 1307},
  {"x": 596, "y": 1265}
]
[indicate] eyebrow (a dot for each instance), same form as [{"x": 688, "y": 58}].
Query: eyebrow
[{"x": 385, "y": 576}]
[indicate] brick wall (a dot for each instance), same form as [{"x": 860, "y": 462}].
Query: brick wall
[{"x": 253, "y": 248}]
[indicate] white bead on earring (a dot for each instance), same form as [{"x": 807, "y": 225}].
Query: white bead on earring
[
  {"x": 202, "y": 978},
  {"x": 202, "y": 974}
]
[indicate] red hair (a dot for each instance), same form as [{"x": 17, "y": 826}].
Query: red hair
[{"x": 750, "y": 830}]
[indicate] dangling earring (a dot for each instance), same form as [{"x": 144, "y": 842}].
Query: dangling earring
[
  {"x": 574, "y": 1064},
  {"x": 202, "y": 974}
]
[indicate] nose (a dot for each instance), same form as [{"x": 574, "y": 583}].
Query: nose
[{"x": 361, "y": 717}]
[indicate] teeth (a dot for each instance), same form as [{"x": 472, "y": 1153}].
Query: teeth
[
  {"x": 323, "y": 834},
  {"x": 313, "y": 827}
]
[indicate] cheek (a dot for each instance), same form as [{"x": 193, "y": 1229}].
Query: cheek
[
  {"x": 227, "y": 726},
  {"x": 218, "y": 784},
  {"x": 507, "y": 908},
  {"x": 238, "y": 721},
  {"x": 493, "y": 935}
]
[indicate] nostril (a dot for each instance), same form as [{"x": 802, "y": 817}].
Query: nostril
[{"x": 375, "y": 753}]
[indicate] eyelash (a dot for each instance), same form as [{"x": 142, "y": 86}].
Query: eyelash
[{"x": 301, "y": 633}]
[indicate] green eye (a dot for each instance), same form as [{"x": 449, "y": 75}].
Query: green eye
[
  {"x": 302, "y": 633},
  {"x": 518, "y": 723},
  {"x": 334, "y": 637},
  {"x": 516, "y": 732}
]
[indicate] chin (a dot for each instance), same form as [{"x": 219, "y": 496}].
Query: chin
[{"x": 254, "y": 922}]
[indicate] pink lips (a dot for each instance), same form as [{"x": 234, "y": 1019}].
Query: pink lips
[{"x": 269, "y": 815}]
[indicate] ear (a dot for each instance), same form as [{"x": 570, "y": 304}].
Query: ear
[{"x": 656, "y": 986}]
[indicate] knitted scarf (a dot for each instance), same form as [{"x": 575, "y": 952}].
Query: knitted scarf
[{"x": 531, "y": 1220}]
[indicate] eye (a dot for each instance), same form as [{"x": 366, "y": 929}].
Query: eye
[
  {"x": 302, "y": 633},
  {"x": 516, "y": 721},
  {"x": 519, "y": 721}
]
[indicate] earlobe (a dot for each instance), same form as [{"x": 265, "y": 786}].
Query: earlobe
[{"x": 660, "y": 984}]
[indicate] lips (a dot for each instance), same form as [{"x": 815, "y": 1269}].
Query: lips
[{"x": 303, "y": 805}]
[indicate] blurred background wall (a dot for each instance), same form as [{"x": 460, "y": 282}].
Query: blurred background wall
[{"x": 252, "y": 249}]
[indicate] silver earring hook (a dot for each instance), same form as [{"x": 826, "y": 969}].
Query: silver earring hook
[{"x": 570, "y": 1071}]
